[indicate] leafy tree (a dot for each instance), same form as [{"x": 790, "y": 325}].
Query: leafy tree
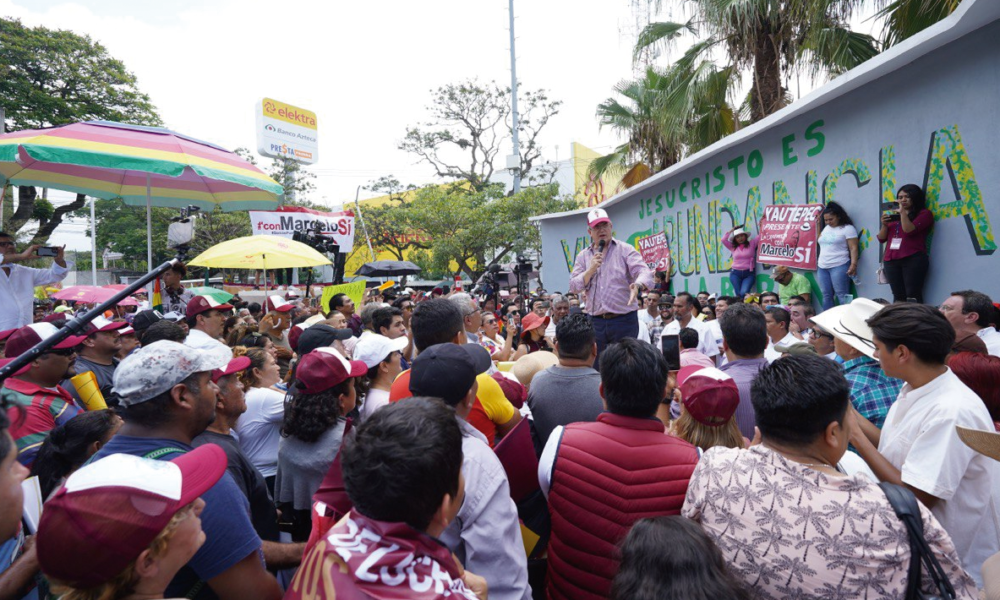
[
  {"x": 388, "y": 225},
  {"x": 476, "y": 229},
  {"x": 766, "y": 39},
  {"x": 53, "y": 77},
  {"x": 469, "y": 128}
]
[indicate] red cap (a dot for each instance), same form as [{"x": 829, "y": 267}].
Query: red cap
[
  {"x": 324, "y": 368},
  {"x": 240, "y": 363},
  {"x": 110, "y": 510},
  {"x": 709, "y": 395},
  {"x": 6, "y": 333},
  {"x": 278, "y": 303},
  {"x": 532, "y": 321},
  {"x": 200, "y": 304},
  {"x": 597, "y": 216},
  {"x": 29, "y": 335}
]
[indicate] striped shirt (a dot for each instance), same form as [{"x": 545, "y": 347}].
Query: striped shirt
[
  {"x": 608, "y": 290},
  {"x": 34, "y": 411},
  {"x": 872, "y": 391}
]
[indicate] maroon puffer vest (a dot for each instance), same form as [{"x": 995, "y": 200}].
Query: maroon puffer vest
[{"x": 607, "y": 475}]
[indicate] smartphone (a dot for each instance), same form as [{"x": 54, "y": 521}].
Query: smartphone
[
  {"x": 671, "y": 351},
  {"x": 47, "y": 251}
]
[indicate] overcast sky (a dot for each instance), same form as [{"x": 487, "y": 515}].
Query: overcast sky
[{"x": 365, "y": 68}]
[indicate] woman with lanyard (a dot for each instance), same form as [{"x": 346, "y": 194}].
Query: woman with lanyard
[{"x": 904, "y": 233}]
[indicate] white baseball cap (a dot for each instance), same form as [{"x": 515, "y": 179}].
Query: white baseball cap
[
  {"x": 373, "y": 348},
  {"x": 597, "y": 216}
]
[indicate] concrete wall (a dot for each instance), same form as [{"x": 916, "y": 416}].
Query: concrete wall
[{"x": 933, "y": 121}]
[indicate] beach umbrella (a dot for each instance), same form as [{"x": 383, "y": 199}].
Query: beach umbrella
[
  {"x": 259, "y": 252},
  {"x": 90, "y": 294},
  {"x": 145, "y": 166}
]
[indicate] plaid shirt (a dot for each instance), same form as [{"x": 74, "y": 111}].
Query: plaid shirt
[{"x": 872, "y": 391}]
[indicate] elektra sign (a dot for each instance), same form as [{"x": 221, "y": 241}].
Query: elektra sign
[{"x": 286, "y": 131}]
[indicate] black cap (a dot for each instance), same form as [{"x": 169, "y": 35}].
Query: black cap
[
  {"x": 448, "y": 371},
  {"x": 143, "y": 319},
  {"x": 320, "y": 336}
]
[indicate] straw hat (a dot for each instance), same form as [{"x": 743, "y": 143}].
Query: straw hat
[
  {"x": 529, "y": 365},
  {"x": 986, "y": 443},
  {"x": 848, "y": 323}
]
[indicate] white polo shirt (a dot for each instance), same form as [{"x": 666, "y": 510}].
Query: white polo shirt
[
  {"x": 706, "y": 339},
  {"x": 919, "y": 438}
]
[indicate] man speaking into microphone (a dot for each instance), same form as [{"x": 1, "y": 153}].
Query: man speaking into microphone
[{"x": 612, "y": 273}]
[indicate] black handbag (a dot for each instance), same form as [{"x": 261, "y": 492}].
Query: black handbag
[{"x": 904, "y": 503}]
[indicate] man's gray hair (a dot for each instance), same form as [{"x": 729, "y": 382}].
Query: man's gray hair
[
  {"x": 464, "y": 303},
  {"x": 367, "y": 311},
  {"x": 557, "y": 298}
]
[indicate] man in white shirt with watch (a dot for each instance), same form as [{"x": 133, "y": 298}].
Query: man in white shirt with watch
[
  {"x": 918, "y": 445},
  {"x": 18, "y": 283}
]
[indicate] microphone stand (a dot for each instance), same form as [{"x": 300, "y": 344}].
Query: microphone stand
[{"x": 77, "y": 325}]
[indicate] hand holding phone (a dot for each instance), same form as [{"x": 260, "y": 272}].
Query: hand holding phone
[{"x": 49, "y": 251}]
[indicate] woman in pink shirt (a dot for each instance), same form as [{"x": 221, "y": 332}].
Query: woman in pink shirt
[{"x": 744, "y": 249}]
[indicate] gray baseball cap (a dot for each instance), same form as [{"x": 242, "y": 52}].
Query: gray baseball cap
[{"x": 152, "y": 370}]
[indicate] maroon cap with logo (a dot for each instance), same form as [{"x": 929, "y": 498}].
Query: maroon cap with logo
[
  {"x": 200, "y": 304},
  {"x": 708, "y": 394}
]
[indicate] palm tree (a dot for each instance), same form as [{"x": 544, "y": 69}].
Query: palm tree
[
  {"x": 905, "y": 18},
  {"x": 768, "y": 39},
  {"x": 652, "y": 144},
  {"x": 665, "y": 115}
]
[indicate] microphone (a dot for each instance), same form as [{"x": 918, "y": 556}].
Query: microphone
[{"x": 600, "y": 246}]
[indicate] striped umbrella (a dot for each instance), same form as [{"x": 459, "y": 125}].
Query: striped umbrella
[{"x": 145, "y": 166}]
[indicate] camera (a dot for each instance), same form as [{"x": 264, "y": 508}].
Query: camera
[
  {"x": 317, "y": 241},
  {"x": 180, "y": 232}
]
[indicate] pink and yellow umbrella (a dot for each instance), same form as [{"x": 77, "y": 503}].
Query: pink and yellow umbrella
[{"x": 145, "y": 166}]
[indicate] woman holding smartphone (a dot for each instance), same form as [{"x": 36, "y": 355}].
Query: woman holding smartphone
[{"x": 904, "y": 233}]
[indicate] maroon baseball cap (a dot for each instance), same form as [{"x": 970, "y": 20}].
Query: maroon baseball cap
[
  {"x": 279, "y": 304},
  {"x": 102, "y": 324},
  {"x": 240, "y": 363},
  {"x": 200, "y": 304},
  {"x": 708, "y": 394},
  {"x": 112, "y": 509},
  {"x": 30, "y": 335},
  {"x": 6, "y": 333},
  {"x": 324, "y": 368}
]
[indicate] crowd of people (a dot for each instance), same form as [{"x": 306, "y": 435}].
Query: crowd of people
[{"x": 444, "y": 444}]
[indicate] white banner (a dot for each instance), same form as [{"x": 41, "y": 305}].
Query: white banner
[{"x": 286, "y": 222}]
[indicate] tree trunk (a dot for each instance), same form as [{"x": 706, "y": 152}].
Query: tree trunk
[
  {"x": 767, "y": 93},
  {"x": 46, "y": 230}
]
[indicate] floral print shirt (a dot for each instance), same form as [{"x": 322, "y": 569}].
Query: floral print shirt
[{"x": 790, "y": 531}]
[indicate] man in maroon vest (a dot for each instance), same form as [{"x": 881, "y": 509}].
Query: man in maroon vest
[{"x": 602, "y": 477}]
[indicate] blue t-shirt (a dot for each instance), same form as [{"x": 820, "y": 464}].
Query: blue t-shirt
[{"x": 229, "y": 534}]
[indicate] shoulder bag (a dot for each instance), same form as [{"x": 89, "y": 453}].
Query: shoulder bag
[{"x": 904, "y": 503}]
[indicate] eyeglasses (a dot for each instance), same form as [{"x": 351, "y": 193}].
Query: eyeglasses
[
  {"x": 946, "y": 308},
  {"x": 408, "y": 307},
  {"x": 818, "y": 334}
]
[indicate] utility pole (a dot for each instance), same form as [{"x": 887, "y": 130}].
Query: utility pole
[{"x": 514, "y": 160}]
